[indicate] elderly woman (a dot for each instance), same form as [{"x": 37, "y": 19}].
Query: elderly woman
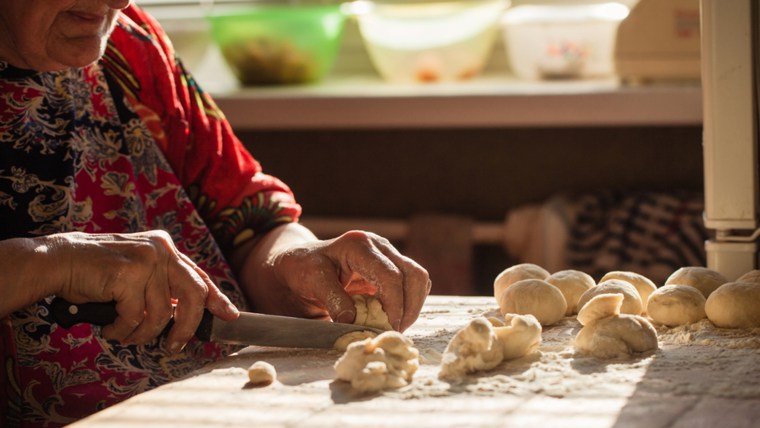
[{"x": 121, "y": 181}]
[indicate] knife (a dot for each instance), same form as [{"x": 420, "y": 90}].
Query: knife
[{"x": 248, "y": 329}]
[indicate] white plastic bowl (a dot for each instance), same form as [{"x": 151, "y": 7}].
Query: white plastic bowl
[
  {"x": 429, "y": 41},
  {"x": 562, "y": 41}
]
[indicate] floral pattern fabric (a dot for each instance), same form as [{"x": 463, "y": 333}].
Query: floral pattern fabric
[{"x": 127, "y": 144}]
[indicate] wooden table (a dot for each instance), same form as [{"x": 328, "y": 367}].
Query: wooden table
[{"x": 700, "y": 377}]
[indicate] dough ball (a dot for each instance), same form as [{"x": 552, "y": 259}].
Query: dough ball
[
  {"x": 261, "y": 373},
  {"x": 536, "y": 297},
  {"x": 369, "y": 312},
  {"x": 676, "y": 304},
  {"x": 703, "y": 279},
  {"x": 473, "y": 348},
  {"x": 572, "y": 284},
  {"x": 735, "y": 305},
  {"x": 618, "y": 336},
  {"x": 643, "y": 285},
  {"x": 521, "y": 337},
  {"x": 355, "y": 336},
  {"x": 751, "y": 276},
  {"x": 386, "y": 361},
  {"x": 601, "y": 306},
  {"x": 516, "y": 273},
  {"x": 631, "y": 299}
]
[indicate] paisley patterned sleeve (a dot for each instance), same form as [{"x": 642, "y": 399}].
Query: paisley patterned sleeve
[{"x": 226, "y": 184}]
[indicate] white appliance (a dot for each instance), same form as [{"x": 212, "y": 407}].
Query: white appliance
[{"x": 730, "y": 81}]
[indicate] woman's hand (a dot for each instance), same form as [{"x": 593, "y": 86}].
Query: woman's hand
[
  {"x": 292, "y": 273},
  {"x": 142, "y": 272}
]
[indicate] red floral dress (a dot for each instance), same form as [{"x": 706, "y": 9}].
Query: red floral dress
[{"x": 127, "y": 144}]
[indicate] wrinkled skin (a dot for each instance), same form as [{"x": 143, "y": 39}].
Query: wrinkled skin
[{"x": 313, "y": 279}]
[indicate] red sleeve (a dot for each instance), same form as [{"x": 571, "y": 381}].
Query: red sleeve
[{"x": 226, "y": 184}]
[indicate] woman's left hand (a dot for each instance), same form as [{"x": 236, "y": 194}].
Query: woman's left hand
[{"x": 305, "y": 277}]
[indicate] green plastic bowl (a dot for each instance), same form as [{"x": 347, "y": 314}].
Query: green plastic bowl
[{"x": 280, "y": 44}]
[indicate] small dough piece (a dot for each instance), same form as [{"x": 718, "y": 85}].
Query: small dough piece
[
  {"x": 473, "y": 348},
  {"x": 342, "y": 343},
  {"x": 572, "y": 283},
  {"x": 751, "y": 276},
  {"x": 643, "y": 285},
  {"x": 261, "y": 373},
  {"x": 631, "y": 299},
  {"x": 369, "y": 312},
  {"x": 735, "y": 305},
  {"x": 605, "y": 305},
  {"x": 521, "y": 337},
  {"x": 703, "y": 279},
  {"x": 386, "y": 361},
  {"x": 616, "y": 335},
  {"x": 676, "y": 304},
  {"x": 536, "y": 297},
  {"x": 484, "y": 343},
  {"x": 516, "y": 273}
]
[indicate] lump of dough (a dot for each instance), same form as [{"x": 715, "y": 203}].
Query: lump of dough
[
  {"x": 520, "y": 338},
  {"x": 355, "y": 336},
  {"x": 484, "y": 343},
  {"x": 676, "y": 304},
  {"x": 735, "y": 305},
  {"x": 703, "y": 279},
  {"x": 261, "y": 373},
  {"x": 613, "y": 335},
  {"x": 601, "y": 306},
  {"x": 572, "y": 283},
  {"x": 643, "y": 285},
  {"x": 516, "y": 273},
  {"x": 536, "y": 297},
  {"x": 473, "y": 348},
  {"x": 631, "y": 299},
  {"x": 751, "y": 276},
  {"x": 386, "y": 361},
  {"x": 369, "y": 312}
]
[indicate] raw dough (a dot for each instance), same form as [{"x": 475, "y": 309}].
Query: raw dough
[
  {"x": 572, "y": 284},
  {"x": 735, "y": 305},
  {"x": 521, "y": 337},
  {"x": 516, "y": 273},
  {"x": 369, "y": 312},
  {"x": 342, "y": 343},
  {"x": 484, "y": 343},
  {"x": 751, "y": 276},
  {"x": 261, "y": 373},
  {"x": 676, "y": 304},
  {"x": 605, "y": 305},
  {"x": 386, "y": 361},
  {"x": 473, "y": 348},
  {"x": 613, "y": 336},
  {"x": 536, "y": 297},
  {"x": 643, "y": 285},
  {"x": 631, "y": 299},
  {"x": 703, "y": 279}
]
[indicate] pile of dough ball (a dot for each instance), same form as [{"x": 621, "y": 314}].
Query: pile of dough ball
[
  {"x": 485, "y": 342},
  {"x": 373, "y": 364},
  {"x": 608, "y": 333}
]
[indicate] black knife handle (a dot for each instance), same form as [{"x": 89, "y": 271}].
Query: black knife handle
[{"x": 67, "y": 314}]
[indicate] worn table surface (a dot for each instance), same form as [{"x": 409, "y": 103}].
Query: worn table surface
[{"x": 700, "y": 377}]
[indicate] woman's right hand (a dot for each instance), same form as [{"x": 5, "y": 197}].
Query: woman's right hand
[{"x": 142, "y": 272}]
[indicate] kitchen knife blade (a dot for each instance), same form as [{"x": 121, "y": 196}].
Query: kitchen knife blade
[{"x": 248, "y": 329}]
